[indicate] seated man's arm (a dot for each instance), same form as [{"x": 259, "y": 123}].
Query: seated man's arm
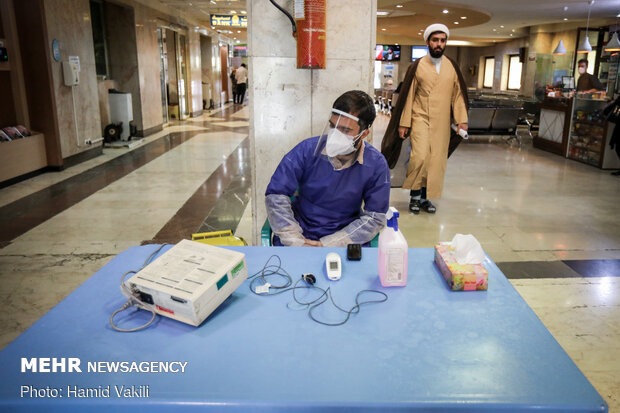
[
  {"x": 284, "y": 182},
  {"x": 360, "y": 231},
  {"x": 372, "y": 218},
  {"x": 282, "y": 220}
]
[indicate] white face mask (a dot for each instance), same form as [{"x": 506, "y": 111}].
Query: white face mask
[
  {"x": 339, "y": 143},
  {"x": 582, "y": 70}
]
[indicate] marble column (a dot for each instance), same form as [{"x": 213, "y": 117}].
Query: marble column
[
  {"x": 288, "y": 104},
  {"x": 205, "y": 68},
  {"x": 122, "y": 49},
  {"x": 216, "y": 72},
  {"x": 77, "y": 107}
]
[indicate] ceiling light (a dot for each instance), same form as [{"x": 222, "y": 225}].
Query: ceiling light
[
  {"x": 456, "y": 22},
  {"x": 213, "y": 2},
  {"x": 459, "y": 43},
  {"x": 513, "y": 30},
  {"x": 243, "y": 12},
  {"x": 399, "y": 6},
  {"x": 233, "y": 12},
  {"x": 238, "y": 31},
  {"x": 510, "y": 34},
  {"x": 383, "y": 30},
  {"x": 463, "y": 17},
  {"x": 383, "y": 13},
  {"x": 560, "y": 50},
  {"x": 565, "y": 8},
  {"x": 565, "y": 18},
  {"x": 445, "y": 11},
  {"x": 613, "y": 45},
  {"x": 501, "y": 27},
  {"x": 494, "y": 30},
  {"x": 189, "y": 4},
  {"x": 585, "y": 46},
  {"x": 396, "y": 44}
]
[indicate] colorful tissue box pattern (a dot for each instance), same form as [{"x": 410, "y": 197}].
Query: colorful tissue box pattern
[{"x": 460, "y": 277}]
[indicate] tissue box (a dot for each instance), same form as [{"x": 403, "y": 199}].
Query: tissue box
[{"x": 460, "y": 277}]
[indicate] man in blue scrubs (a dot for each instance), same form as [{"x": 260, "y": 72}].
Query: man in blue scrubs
[{"x": 341, "y": 183}]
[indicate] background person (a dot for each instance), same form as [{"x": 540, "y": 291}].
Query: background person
[
  {"x": 587, "y": 82},
  {"x": 233, "y": 79},
  {"x": 437, "y": 93},
  {"x": 242, "y": 82},
  {"x": 612, "y": 113}
]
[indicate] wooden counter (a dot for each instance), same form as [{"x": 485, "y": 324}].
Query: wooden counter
[{"x": 21, "y": 156}]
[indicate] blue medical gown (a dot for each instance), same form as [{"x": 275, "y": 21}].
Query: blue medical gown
[{"x": 329, "y": 200}]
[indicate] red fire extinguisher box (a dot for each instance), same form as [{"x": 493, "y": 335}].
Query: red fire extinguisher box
[{"x": 310, "y": 23}]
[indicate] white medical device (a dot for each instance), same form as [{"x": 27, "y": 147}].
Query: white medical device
[
  {"x": 333, "y": 265},
  {"x": 70, "y": 73},
  {"x": 189, "y": 281}
]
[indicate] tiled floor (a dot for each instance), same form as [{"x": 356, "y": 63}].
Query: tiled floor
[{"x": 532, "y": 211}]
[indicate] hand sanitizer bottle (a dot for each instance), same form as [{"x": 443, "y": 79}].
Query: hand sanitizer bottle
[{"x": 393, "y": 253}]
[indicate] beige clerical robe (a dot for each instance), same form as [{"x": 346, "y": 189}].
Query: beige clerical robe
[{"x": 427, "y": 114}]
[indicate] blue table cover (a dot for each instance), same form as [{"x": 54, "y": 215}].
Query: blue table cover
[{"x": 427, "y": 348}]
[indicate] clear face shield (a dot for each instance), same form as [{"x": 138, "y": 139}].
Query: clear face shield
[{"x": 339, "y": 139}]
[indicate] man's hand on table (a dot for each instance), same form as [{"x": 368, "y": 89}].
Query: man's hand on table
[{"x": 311, "y": 243}]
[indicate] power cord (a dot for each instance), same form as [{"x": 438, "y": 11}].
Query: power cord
[
  {"x": 275, "y": 269},
  {"x": 283, "y": 10},
  {"x": 133, "y": 299}
]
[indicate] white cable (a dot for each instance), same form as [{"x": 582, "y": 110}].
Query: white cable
[
  {"x": 133, "y": 300},
  {"x": 77, "y": 136}
]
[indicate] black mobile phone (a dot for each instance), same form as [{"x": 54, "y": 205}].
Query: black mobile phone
[{"x": 354, "y": 252}]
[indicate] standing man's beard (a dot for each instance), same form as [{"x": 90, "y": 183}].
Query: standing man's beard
[{"x": 436, "y": 52}]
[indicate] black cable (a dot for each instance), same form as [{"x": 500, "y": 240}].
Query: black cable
[
  {"x": 354, "y": 310},
  {"x": 287, "y": 15},
  {"x": 269, "y": 270},
  {"x": 276, "y": 269}
]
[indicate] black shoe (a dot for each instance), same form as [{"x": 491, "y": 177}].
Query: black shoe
[
  {"x": 617, "y": 173},
  {"x": 428, "y": 206},
  {"x": 414, "y": 206}
]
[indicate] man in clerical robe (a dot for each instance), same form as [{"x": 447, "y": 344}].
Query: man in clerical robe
[{"x": 436, "y": 96}]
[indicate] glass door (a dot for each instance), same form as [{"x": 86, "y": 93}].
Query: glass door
[
  {"x": 182, "y": 70},
  {"x": 163, "y": 72}
]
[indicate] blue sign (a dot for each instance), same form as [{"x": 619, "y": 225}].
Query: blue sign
[{"x": 56, "y": 50}]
